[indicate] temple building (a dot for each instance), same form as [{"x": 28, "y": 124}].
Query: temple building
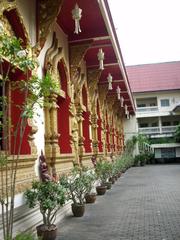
[{"x": 75, "y": 43}]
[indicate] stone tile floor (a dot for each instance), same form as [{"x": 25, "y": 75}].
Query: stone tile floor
[{"x": 144, "y": 204}]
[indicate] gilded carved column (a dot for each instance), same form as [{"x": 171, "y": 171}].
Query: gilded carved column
[
  {"x": 110, "y": 103},
  {"x": 54, "y": 129},
  {"x": 93, "y": 78},
  {"x": 102, "y": 92},
  {"x": 80, "y": 130},
  {"x": 48, "y": 133}
]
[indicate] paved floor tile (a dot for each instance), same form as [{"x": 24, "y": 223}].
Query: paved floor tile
[{"x": 144, "y": 204}]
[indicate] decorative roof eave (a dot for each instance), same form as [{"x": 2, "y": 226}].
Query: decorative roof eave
[{"x": 104, "y": 7}]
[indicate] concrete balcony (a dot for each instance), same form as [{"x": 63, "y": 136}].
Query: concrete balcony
[
  {"x": 149, "y": 130},
  {"x": 147, "y": 109},
  {"x": 168, "y": 129},
  {"x": 157, "y": 130}
]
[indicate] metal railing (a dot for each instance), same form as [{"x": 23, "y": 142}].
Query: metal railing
[
  {"x": 156, "y": 130},
  {"x": 168, "y": 129},
  {"x": 147, "y": 109},
  {"x": 149, "y": 130}
]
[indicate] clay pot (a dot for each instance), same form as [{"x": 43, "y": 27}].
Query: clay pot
[
  {"x": 119, "y": 174},
  {"x": 101, "y": 190},
  {"x": 90, "y": 197},
  {"x": 112, "y": 179},
  {"x": 78, "y": 209},
  {"x": 108, "y": 185},
  {"x": 47, "y": 233}
]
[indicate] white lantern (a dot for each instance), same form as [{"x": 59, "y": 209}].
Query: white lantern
[
  {"x": 109, "y": 78},
  {"x": 1, "y": 27},
  {"x": 118, "y": 90},
  {"x": 126, "y": 109},
  {"x": 100, "y": 56},
  {"x": 122, "y": 101},
  {"x": 76, "y": 15}
]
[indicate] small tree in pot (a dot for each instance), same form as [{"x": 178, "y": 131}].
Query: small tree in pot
[
  {"x": 90, "y": 196},
  {"x": 102, "y": 172},
  {"x": 50, "y": 196},
  {"x": 76, "y": 186}
]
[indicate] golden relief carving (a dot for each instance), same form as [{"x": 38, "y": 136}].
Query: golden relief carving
[
  {"x": 47, "y": 13},
  {"x": 33, "y": 130},
  {"x": 7, "y": 6},
  {"x": 52, "y": 58},
  {"x": 77, "y": 53}
]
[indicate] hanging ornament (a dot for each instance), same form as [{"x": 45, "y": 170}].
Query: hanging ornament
[
  {"x": 118, "y": 90},
  {"x": 122, "y": 101},
  {"x": 76, "y": 15},
  {"x": 100, "y": 56},
  {"x": 126, "y": 109},
  {"x": 109, "y": 78}
]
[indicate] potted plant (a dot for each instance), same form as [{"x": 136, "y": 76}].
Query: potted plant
[
  {"x": 76, "y": 185},
  {"x": 90, "y": 196},
  {"x": 50, "y": 196},
  {"x": 102, "y": 175}
]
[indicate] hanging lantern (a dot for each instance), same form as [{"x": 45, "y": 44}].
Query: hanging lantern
[
  {"x": 126, "y": 109},
  {"x": 1, "y": 27},
  {"x": 122, "y": 101},
  {"x": 118, "y": 90},
  {"x": 100, "y": 56},
  {"x": 76, "y": 15},
  {"x": 109, "y": 78}
]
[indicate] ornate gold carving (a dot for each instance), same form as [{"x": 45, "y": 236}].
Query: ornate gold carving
[
  {"x": 7, "y": 6},
  {"x": 74, "y": 132},
  {"x": 93, "y": 76},
  {"x": 52, "y": 58},
  {"x": 34, "y": 129},
  {"x": 47, "y": 13},
  {"x": 102, "y": 91},
  {"x": 77, "y": 53}
]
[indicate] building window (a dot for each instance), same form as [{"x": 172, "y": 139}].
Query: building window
[
  {"x": 154, "y": 124},
  {"x": 164, "y": 102},
  {"x": 168, "y": 153},
  {"x": 166, "y": 124},
  {"x": 153, "y": 104},
  {"x": 175, "y": 123},
  {"x": 143, "y": 125},
  {"x": 141, "y": 105}
]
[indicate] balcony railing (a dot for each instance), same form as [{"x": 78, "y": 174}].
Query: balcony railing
[
  {"x": 147, "y": 109},
  {"x": 149, "y": 130},
  {"x": 157, "y": 130},
  {"x": 168, "y": 129}
]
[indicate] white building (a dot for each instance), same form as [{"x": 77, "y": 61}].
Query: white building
[{"x": 156, "y": 91}]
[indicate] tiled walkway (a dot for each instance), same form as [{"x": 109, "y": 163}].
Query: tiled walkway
[{"x": 144, "y": 204}]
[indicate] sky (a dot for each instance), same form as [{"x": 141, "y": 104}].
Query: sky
[{"x": 148, "y": 30}]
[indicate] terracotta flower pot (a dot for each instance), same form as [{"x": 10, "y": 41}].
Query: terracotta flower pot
[
  {"x": 112, "y": 179},
  {"x": 47, "y": 233},
  {"x": 78, "y": 209},
  {"x": 90, "y": 197},
  {"x": 119, "y": 174},
  {"x": 101, "y": 190},
  {"x": 108, "y": 185}
]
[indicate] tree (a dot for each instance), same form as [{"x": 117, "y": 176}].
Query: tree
[
  {"x": 177, "y": 134},
  {"x": 34, "y": 92}
]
